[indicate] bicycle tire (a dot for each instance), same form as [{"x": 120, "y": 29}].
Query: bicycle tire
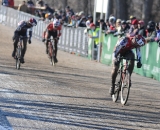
[
  {"x": 18, "y": 56},
  {"x": 118, "y": 84},
  {"x": 125, "y": 87},
  {"x": 53, "y": 55}
]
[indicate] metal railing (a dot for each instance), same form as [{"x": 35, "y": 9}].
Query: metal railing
[{"x": 72, "y": 39}]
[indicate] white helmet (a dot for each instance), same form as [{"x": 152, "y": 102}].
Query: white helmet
[
  {"x": 112, "y": 19},
  {"x": 56, "y": 23}
]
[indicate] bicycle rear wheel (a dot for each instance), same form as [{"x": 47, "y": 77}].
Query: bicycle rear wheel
[
  {"x": 125, "y": 87},
  {"x": 117, "y": 87}
]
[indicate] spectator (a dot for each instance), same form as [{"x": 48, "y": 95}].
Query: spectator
[
  {"x": 5, "y": 2},
  {"x": 118, "y": 25},
  {"x": 124, "y": 29},
  {"x": 11, "y": 3},
  {"x": 48, "y": 9},
  {"x": 141, "y": 28},
  {"x": 104, "y": 26},
  {"x": 94, "y": 34},
  {"x": 112, "y": 28},
  {"x": 39, "y": 3},
  {"x": 89, "y": 21},
  {"x": 107, "y": 25},
  {"x": 150, "y": 32},
  {"x": 133, "y": 29},
  {"x": 23, "y": 7},
  {"x": 73, "y": 21},
  {"x": 157, "y": 39},
  {"x": 30, "y": 6},
  {"x": 82, "y": 20},
  {"x": 40, "y": 14}
]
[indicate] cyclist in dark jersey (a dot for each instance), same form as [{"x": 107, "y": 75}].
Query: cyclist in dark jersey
[{"x": 21, "y": 30}]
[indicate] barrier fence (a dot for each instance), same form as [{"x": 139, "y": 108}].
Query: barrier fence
[
  {"x": 72, "y": 39},
  {"x": 150, "y": 56}
]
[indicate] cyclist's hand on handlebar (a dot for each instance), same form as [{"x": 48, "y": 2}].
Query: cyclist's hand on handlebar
[
  {"x": 139, "y": 64},
  {"x": 43, "y": 40},
  {"x": 29, "y": 41}
]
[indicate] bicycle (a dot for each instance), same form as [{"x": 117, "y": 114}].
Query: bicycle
[
  {"x": 123, "y": 82},
  {"x": 19, "y": 52},
  {"x": 51, "y": 50}
]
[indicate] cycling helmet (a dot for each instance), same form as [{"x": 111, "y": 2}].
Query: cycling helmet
[
  {"x": 33, "y": 22},
  {"x": 123, "y": 22},
  {"x": 56, "y": 23},
  {"x": 134, "y": 22},
  {"x": 112, "y": 19},
  {"x": 139, "y": 40}
]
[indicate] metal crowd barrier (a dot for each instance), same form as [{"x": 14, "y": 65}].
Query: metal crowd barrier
[{"x": 72, "y": 39}]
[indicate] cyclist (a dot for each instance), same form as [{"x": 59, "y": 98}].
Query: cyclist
[
  {"x": 52, "y": 29},
  {"x": 21, "y": 30},
  {"x": 124, "y": 48}
]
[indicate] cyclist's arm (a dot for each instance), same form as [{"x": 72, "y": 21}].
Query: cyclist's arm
[
  {"x": 138, "y": 52},
  {"x": 120, "y": 44},
  {"x": 29, "y": 33}
]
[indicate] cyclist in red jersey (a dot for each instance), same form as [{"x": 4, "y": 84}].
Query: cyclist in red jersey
[
  {"x": 124, "y": 48},
  {"x": 53, "y": 29}
]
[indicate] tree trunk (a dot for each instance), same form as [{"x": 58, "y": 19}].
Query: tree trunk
[
  {"x": 147, "y": 7},
  {"x": 121, "y": 9},
  {"x": 65, "y": 3},
  {"x": 85, "y": 6},
  {"x": 109, "y": 9}
]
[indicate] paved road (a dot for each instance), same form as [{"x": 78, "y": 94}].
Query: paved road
[{"x": 72, "y": 95}]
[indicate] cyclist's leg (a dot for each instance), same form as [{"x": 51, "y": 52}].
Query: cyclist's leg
[
  {"x": 16, "y": 40},
  {"x": 24, "y": 49},
  {"x": 55, "y": 44},
  {"x": 47, "y": 36},
  {"x": 130, "y": 55},
  {"x": 113, "y": 76}
]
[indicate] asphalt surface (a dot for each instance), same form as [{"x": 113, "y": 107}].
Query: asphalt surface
[{"x": 73, "y": 95}]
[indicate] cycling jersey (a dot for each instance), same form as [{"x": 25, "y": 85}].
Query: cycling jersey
[
  {"x": 22, "y": 28},
  {"x": 125, "y": 44},
  {"x": 51, "y": 28}
]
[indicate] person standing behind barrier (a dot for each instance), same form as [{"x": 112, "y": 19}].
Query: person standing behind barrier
[
  {"x": 5, "y": 2},
  {"x": 30, "y": 6},
  {"x": 151, "y": 32},
  {"x": 94, "y": 34},
  {"x": 11, "y": 3},
  {"x": 141, "y": 28},
  {"x": 39, "y": 3},
  {"x": 112, "y": 28},
  {"x": 23, "y": 7}
]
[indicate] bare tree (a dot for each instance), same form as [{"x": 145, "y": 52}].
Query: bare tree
[
  {"x": 85, "y": 6},
  {"x": 147, "y": 7},
  {"x": 121, "y": 9},
  {"x": 65, "y": 3}
]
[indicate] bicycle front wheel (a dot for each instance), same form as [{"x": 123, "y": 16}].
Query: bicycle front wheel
[
  {"x": 117, "y": 87},
  {"x": 125, "y": 88},
  {"x": 18, "y": 56},
  {"x": 52, "y": 58}
]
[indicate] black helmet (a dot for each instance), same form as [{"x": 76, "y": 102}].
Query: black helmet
[
  {"x": 151, "y": 26},
  {"x": 123, "y": 22}
]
